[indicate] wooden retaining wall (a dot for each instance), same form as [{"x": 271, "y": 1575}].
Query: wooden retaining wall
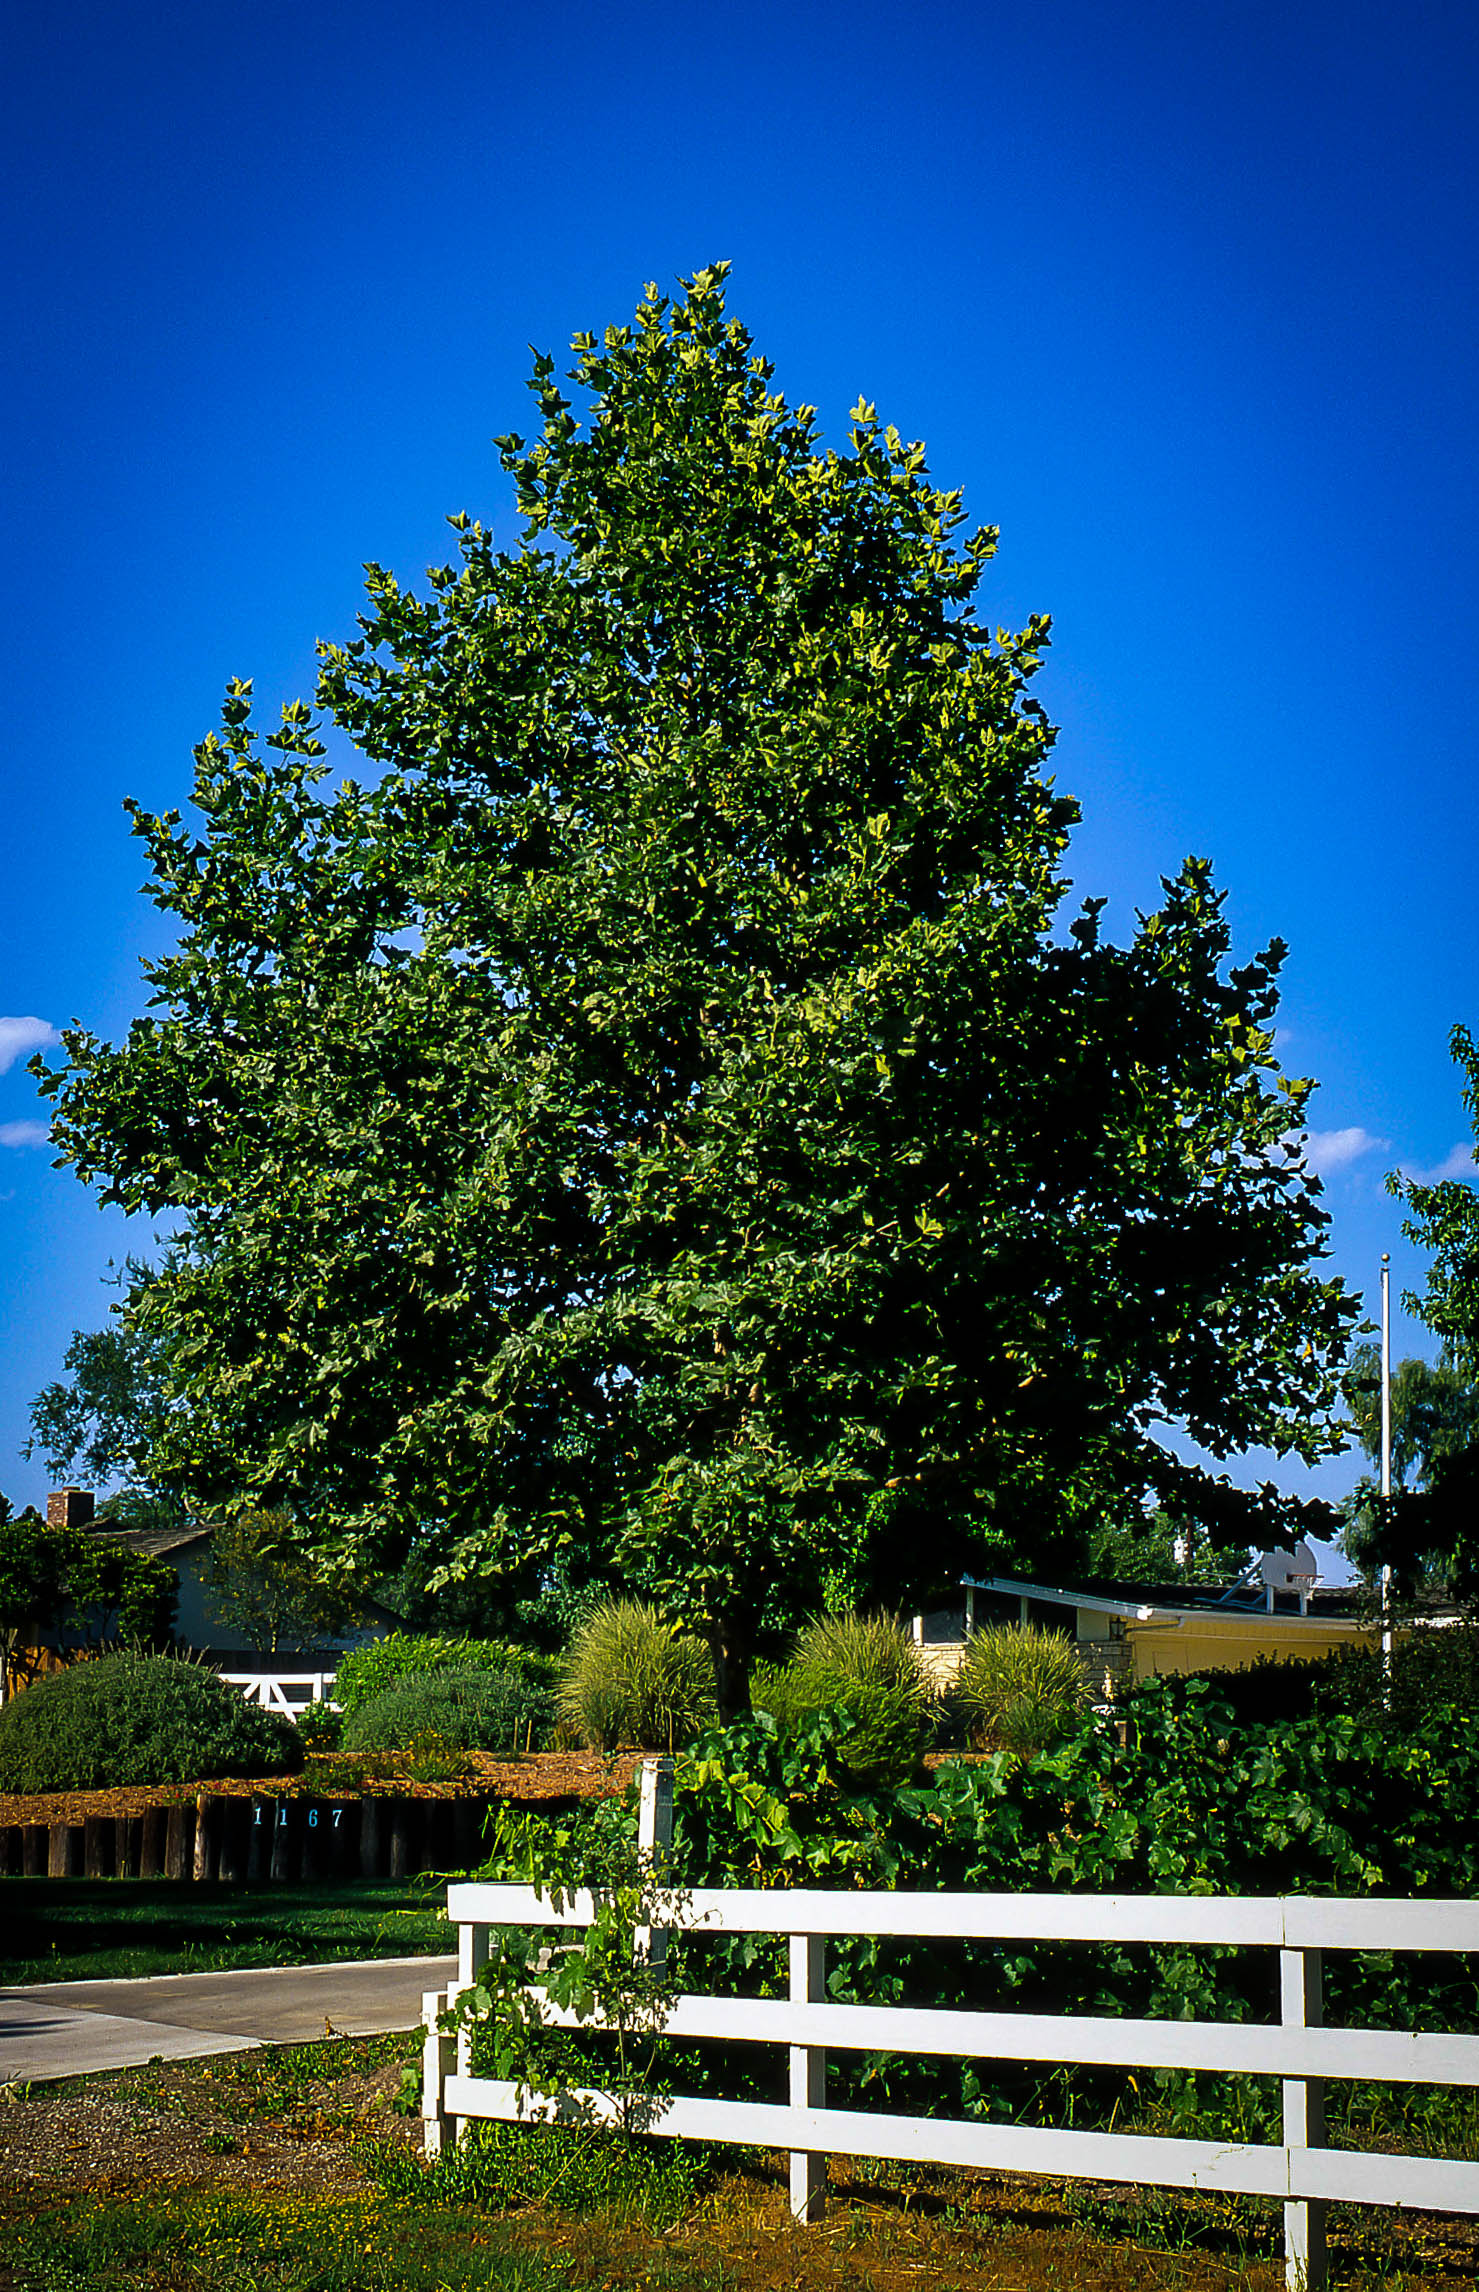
[{"x": 254, "y": 1841}]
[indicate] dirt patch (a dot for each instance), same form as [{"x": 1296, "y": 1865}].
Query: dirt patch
[
  {"x": 537, "y": 1777},
  {"x": 225, "y": 2123}
]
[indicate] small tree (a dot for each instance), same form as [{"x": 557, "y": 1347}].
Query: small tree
[
  {"x": 73, "y": 1584},
  {"x": 261, "y": 1584},
  {"x": 30, "y": 1590},
  {"x": 1162, "y": 1547}
]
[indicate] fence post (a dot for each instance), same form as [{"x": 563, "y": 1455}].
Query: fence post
[
  {"x": 438, "y": 2052},
  {"x": 1301, "y": 2001},
  {"x": 654, "y": 1843},
  {"x": 472, "y": 1956},
  {"x": 808, "y": 2075}
]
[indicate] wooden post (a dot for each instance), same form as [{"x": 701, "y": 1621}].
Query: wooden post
[
  {"x": 259, "y": 1842},
  {"x": 97, "y": 1847},
  {"x": 233, "y": 1818},
  {"x": 10, "y": 1850},
  {"x": 178, "y": 1843},
  {"x": 1301, "y": 2000},
  {"x": 342, "y": 1837},
  {"x": 126, "y": 1830},
  {"x": 151, "y": 1843},
  {"x": 206, "y": 1859},
  {"x": 64, "y": 1850},
  {"x": 400, "y": 1838},
  {"x": 314, "y": 1842},
  {"x": 283, "y": 1867},
  {"x": 33, "y": 1850},
  {"x": 369, "y": 1837},
  {"x": 438, "y": 2053},
  {"x": 436, "y": 1835},
  {"x": 808, "y": 2076},
  {"x": 467, "y": 1833}
]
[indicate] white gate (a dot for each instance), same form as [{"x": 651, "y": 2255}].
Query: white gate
[{"x": 290, "y": 1692}]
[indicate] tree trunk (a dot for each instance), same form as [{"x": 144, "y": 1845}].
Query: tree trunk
[{"x": 732, "y": 1648}]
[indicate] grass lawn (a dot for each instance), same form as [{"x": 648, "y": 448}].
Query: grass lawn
[
  {"x": 215, "y": 2241},
  {"x": 69, "y": 1929}
]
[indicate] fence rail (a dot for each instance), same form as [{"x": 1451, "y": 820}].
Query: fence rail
[{"x": 1301, "y": 2171}]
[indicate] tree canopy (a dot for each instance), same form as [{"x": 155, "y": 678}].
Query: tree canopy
[
  {"x": 659, "y": 1109},
  {"x": 105, "y": 1417},
  {"x": 1445, "y": 1220},
  {"x": 1435, "y": 1422}
]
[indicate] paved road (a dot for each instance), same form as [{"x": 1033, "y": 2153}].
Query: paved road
[{"x": 64, "y": 2029}]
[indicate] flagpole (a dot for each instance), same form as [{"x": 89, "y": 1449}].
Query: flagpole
[{"x": 1386, "y": 1457}]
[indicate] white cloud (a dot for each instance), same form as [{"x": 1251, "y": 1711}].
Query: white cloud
[
  {"x": 1458, "y": 1162},
  {"x": 17, "y": 1036},
  {"x": 1327, "y": 1150},
  {"x": 23, "y": 1134}
]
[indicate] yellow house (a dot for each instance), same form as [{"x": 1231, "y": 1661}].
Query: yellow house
[{"x": 1132, "y": 1632}]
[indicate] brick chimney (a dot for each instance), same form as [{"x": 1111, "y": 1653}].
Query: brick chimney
[{"x": 69, "y": 1508}]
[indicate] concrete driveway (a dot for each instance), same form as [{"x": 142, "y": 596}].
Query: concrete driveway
[{"x": 66, "y": 2029}]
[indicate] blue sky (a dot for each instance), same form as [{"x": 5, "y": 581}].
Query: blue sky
[{"x": 1185, "y": 299}]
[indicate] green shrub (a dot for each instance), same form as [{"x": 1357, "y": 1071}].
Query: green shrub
[
  {"x": 462, "y": 1710},
  {"x": 366, "y": 1672},
  {"x": 1022, "y": 1688},
  {"x": 1434, "y": 1668},
  {"x": 133, "y": 1718},
  {"x": 1177, "y": 1799},
  {"x": 870, "y": 1665},
  {"x": 1272, "y": 1691},
  {"x": 631, "y": 1678},
  {"x": 320, "y": 1726}
]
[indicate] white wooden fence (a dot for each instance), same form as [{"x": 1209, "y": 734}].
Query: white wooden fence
[
  {"x": 1298, "y": 2049},
  {"x": 288, "y": 1691}
]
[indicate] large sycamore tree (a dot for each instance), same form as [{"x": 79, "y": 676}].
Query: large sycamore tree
[{"x": 660, "y": 1108}]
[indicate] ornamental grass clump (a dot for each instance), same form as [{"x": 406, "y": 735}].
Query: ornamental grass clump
[
  {"x": 869, "y": 1664},
  {"x": 631, "y": 1678},
  {"x": 134, "y": 1718},
  {"x": 1021, "y": 1687}
]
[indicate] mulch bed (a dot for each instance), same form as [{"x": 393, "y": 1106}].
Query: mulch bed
[
  {"x": 533, "y": 1779},
  {"x": 537, "y": 1777}
]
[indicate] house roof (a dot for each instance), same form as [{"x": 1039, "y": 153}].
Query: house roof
[
  {"x": 1139, "y": 1603},
  {"x": 152, "y": 1543}
]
